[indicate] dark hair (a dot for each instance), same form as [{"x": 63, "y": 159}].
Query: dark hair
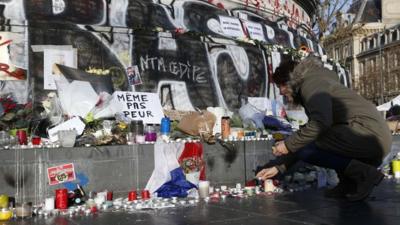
[
  {"x": 393, "y": 111},
  {"x": 282, "y": 72}
]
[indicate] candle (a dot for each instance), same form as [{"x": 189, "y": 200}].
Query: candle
[
  {"x": 62, "y": 198},
  {"x": 49, "y": 204},
  {"x": 5, "y": 214},
  {"x": 23, "y": 210},
  {"x": 269, "y": 186},
  {"x": 396, "y": 168},
  {"x": 204, "y": 187},
  {"x": 145, "y": 194},
  {"x": 109, "y": 195},
  {"x": 100, "y": 199},
  {"x": 22, "y": 138},
  {"x": 140, "y": 139},
  {"x": 238, "y": 187},
  {"x": 36, "y": 140},
  {"x": 150, "y": 133},
  {"x": 132, "y": 196}
]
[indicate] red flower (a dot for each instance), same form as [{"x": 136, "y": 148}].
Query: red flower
[{"x": 179, "y": 31}]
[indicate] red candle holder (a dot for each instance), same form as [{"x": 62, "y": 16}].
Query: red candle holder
[
  {"x": 22, "y": 137},
  {"x": 145, "y": 194},
  {"x": 62, "y": 198},
  {"x": 36, "y": 140},
  {"x": 132, "y": 196},
  {"x": 109, "y": 195},
  {"x": 93, "y": 209}
]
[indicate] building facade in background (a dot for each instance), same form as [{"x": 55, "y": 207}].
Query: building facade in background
[
  {"x": 379, "y": 65},
  {"x": 354, "y": 43}
]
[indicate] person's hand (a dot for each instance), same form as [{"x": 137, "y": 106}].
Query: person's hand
[
  {"x": 279, "y": 149},
  {"x": 267, "y": 173}
]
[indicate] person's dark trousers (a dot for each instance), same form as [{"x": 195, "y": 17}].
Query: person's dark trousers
[
  {"x": 313, "y": 155},
  {"x": 364, "y": 175}
]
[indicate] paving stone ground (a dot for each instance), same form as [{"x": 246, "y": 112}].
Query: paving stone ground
[{"x": 306, "y": 207}]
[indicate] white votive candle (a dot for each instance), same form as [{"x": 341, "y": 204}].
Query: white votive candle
[
  {"x": 49, "y": 204},
  {"x": 269, "y": 186},
  {"x": 204, "y": 187}
]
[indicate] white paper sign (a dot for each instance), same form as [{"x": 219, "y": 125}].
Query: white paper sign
[
  {"x": 139, "y": 106},
  {"x": 231, "y": 26},
  {"x": 276, "y": 60},
  {"x": 74, "y": 123},
  {"x": 255, "y": 30}
]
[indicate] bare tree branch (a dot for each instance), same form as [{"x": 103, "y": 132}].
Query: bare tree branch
[{"x": 328, "y": 11}]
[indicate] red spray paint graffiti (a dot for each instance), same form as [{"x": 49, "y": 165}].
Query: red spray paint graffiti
[{"x": 17, "y": 73}]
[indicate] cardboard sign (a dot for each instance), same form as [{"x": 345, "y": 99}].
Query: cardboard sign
[
  {"x": 255, "y": 30},
  {"x": 139, "y": 106},
  {"x": 61, "y": 174},
  {"x": 231, "y": 26}
]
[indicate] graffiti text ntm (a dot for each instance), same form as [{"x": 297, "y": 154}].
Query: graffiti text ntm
[{"x": 184, "y": 71}]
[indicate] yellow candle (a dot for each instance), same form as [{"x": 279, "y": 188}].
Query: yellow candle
[
  {"x": 5, "y": 214},
  {"x": 396, "y": 168}
]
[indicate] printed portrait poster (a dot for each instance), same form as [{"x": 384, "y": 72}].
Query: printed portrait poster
[
  {"x": 133, "y": 75},
  {"x": 61, "y": 174},
  {"x": 52, "y": 73}
]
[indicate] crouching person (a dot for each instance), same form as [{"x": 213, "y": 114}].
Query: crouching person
[{"x": 345, "y": 132}]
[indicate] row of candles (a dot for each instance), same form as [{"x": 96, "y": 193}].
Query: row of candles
[
  {"x": 61, "y": 203},
  {"x": 135, "y": 135}
]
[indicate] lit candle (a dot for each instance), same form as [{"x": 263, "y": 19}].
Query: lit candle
[
  {"x": 140, "y": 139},
  {"x": 5, "y": 214},
  {"x": 269, "y": 185},
  {"x": 23, "y": 210},
  {"x": 49, "y": 204},
  {"x": 204, "y": 187}
]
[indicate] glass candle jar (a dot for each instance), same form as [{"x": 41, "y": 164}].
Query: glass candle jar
[
  {"x": 150, "y": 133},
  {"x": 23, "y": 210},
  {"x": 136, "y": 127}
]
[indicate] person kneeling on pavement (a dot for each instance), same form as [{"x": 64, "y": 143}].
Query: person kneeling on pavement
[{"x": 344, "y": 132}]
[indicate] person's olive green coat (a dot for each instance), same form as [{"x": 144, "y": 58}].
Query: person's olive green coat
[{"x": 340, "y": 120}]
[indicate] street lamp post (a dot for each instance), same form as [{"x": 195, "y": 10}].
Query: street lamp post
[{"x": 381, "y": 64}]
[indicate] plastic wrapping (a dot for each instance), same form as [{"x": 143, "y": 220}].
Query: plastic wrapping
[
  {"x": 77, "y": 98},
  {"x": 198, "y": 123}
]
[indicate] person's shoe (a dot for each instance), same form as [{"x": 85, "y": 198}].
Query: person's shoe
[
  {"x": 366, "y": 178},
  {"x": 344, "y": 187}
]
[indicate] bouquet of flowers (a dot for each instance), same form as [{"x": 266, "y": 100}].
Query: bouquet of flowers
[{"x": 14, "y": 115}]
